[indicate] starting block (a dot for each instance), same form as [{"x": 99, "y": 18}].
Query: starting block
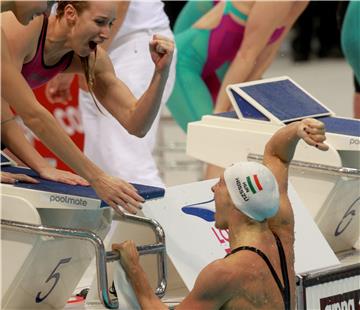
[{"x": 50, "y": 232}]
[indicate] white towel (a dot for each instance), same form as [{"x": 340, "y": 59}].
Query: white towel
[{"x": 124, "y": 290}]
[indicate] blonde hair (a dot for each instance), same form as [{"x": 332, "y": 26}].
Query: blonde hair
[{"x": 81, "y": 6}]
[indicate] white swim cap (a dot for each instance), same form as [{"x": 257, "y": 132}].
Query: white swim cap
[{"x": 253, "y": 189}]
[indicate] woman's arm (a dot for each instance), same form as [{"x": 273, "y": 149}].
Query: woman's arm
[
  {"x": 12, "y": 178},
  {"x": 14, "y": 139},
  {"x": 279, "y": 152},
  {"x": 263, "y": 19},
  {"x": 280, "y": 149},
  {"x": 136, "y": 116},
  {"x": 18, "y": 94},
  {"x": 211, "y": 289},
  {"x": 137, "y": 276}
]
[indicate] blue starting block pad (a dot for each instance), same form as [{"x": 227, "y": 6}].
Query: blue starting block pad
[
  {"x": 342, "y": 126},
  {"x": 244, "y": 109},
  {"x": 147, "y": 192},
  {"x": 278, "y": 99},
  {"x": 282, "y": 101}
]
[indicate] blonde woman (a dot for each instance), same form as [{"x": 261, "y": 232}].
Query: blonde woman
[{"x": 69, "y": 42}]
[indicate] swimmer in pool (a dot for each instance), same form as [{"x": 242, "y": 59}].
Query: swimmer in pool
[{"x": 251, "y": 200}]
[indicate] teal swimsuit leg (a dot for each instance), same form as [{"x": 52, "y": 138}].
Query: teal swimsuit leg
[
  {"x": 190, "y": 13},
  {"x": 190, "y": 99}
]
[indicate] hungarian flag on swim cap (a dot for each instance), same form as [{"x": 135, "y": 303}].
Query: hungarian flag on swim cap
[{"x": 253, "y": 189}]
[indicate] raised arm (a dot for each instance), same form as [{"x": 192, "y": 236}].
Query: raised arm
[
  {"x": 279, "y": 152},
  {"x": 136, "y": 116}
]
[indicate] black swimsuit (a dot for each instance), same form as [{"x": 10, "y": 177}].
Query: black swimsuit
[{"x": 285, "y": 290}]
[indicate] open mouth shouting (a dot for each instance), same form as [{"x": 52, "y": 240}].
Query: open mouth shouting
[{"x": 92, "y": 45}]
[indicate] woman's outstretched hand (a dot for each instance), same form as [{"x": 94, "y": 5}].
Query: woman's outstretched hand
[{"x": 116, "y": 192}]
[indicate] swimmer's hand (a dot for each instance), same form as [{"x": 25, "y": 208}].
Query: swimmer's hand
[
  {"x": 12, "y": 178},
  {"x": 129, "y": 255},
  {"x": 161, "y": 50},
  {"x": 53, "y": 174},
  {"x": 312, "y": 132},
  {"x": 116, "y": 192}
]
